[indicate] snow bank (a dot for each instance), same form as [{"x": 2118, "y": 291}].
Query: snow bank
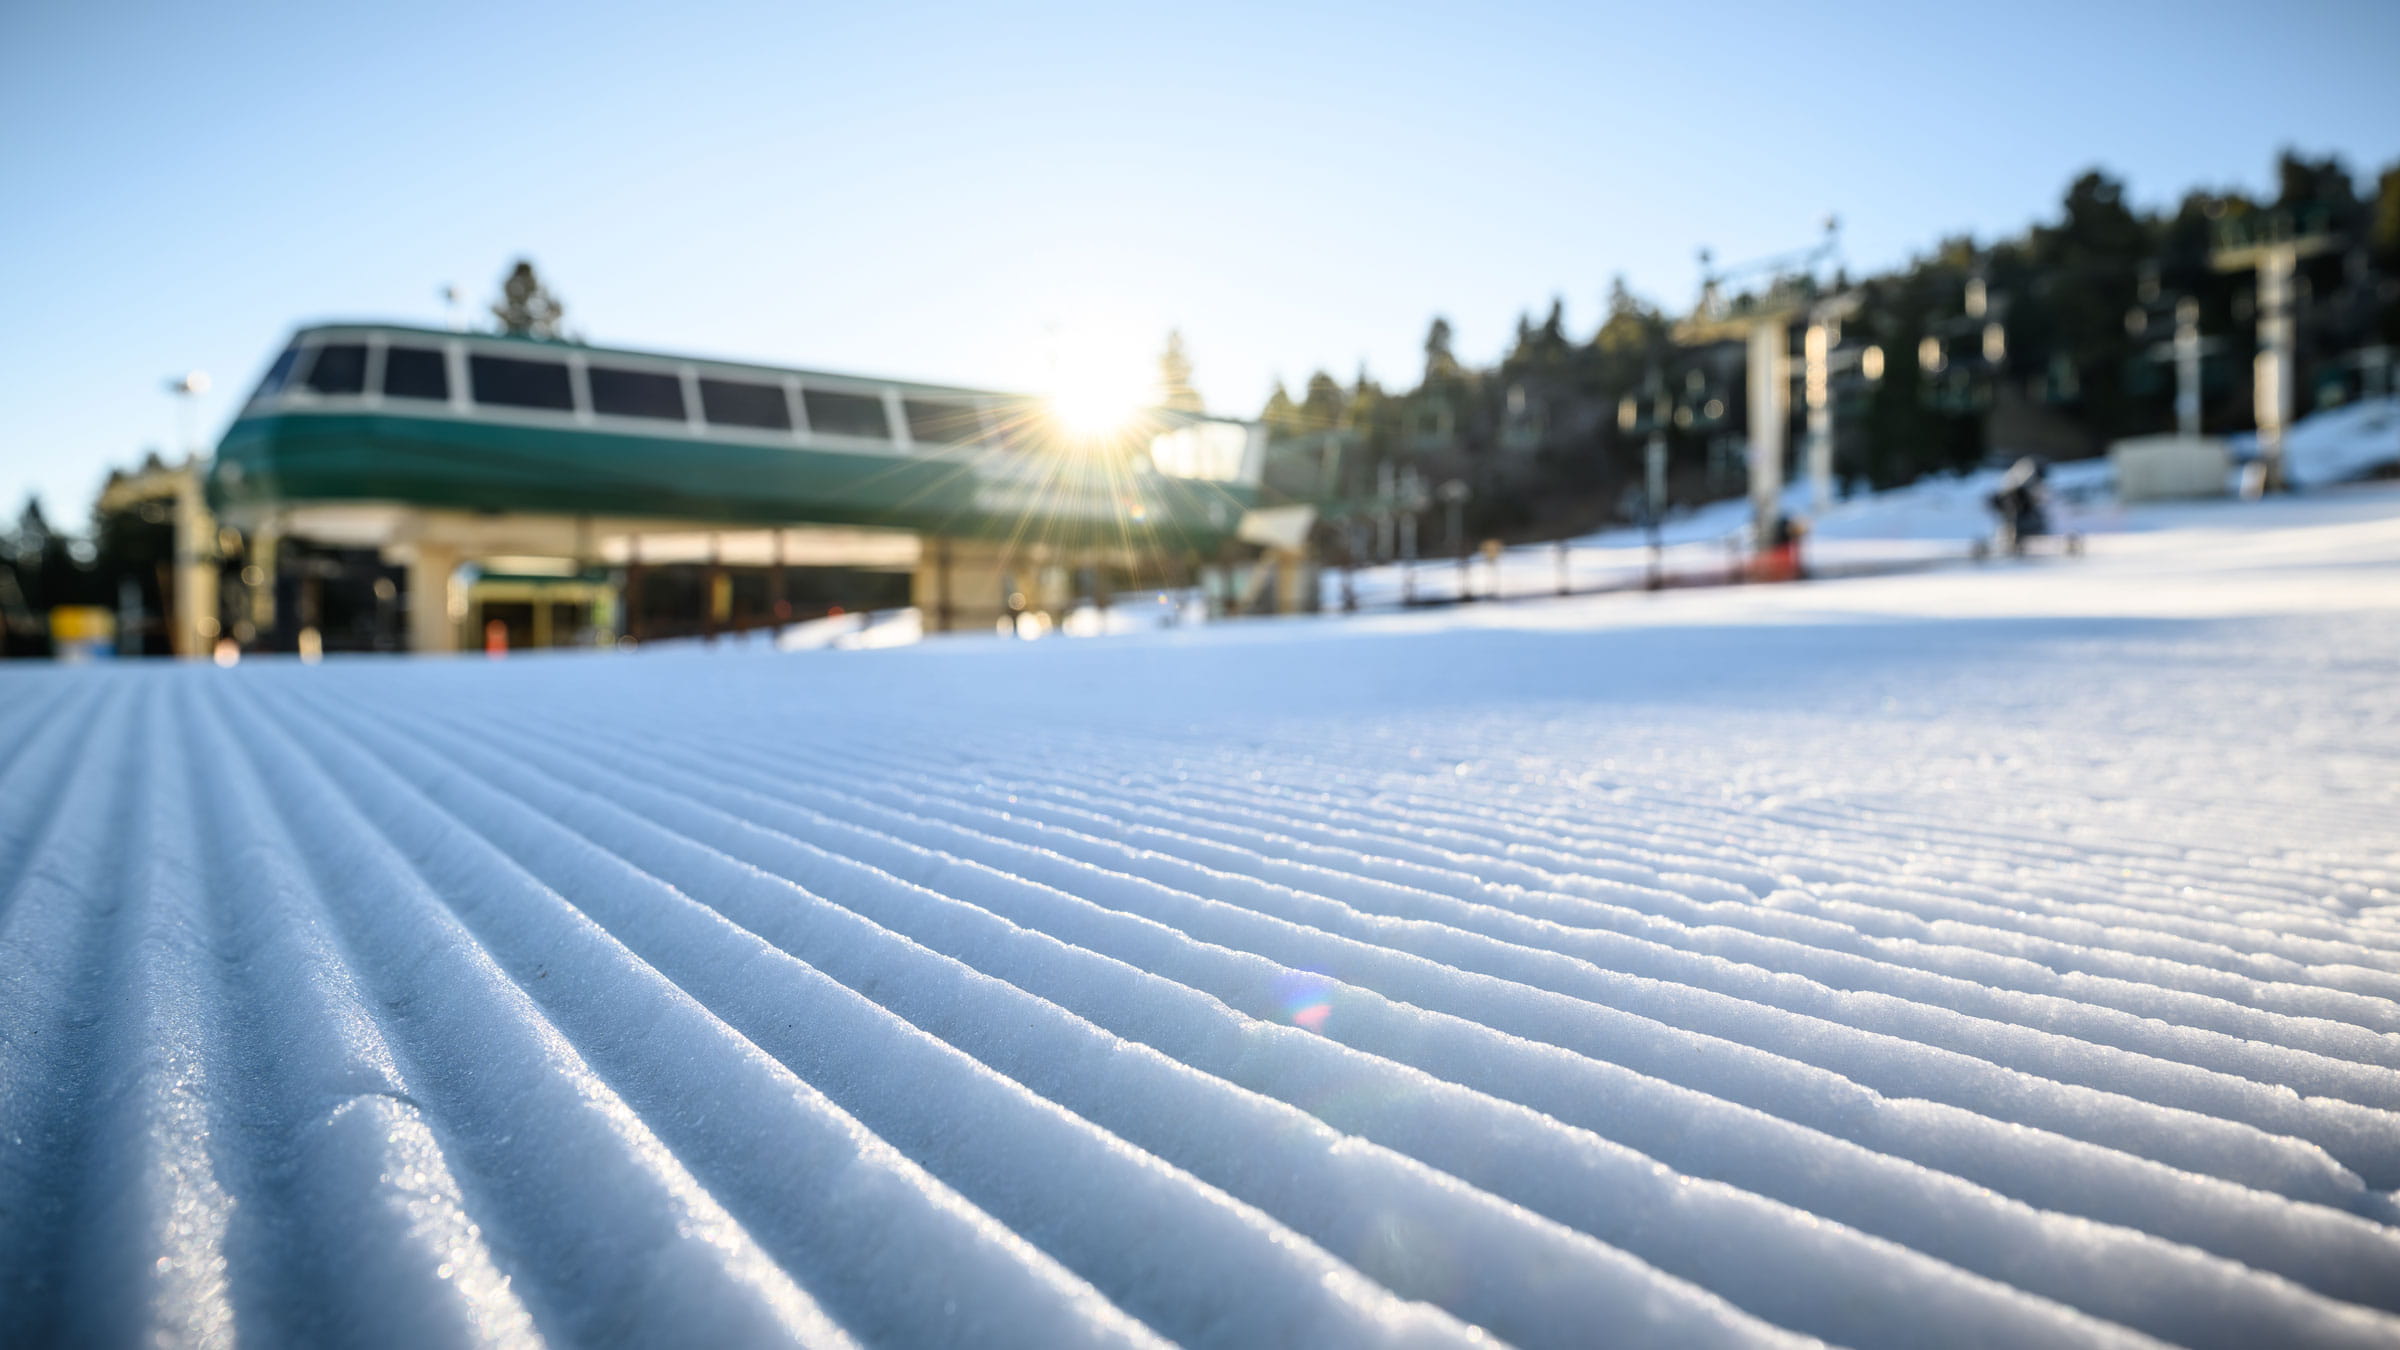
[{"x": 2338, "y": 444}]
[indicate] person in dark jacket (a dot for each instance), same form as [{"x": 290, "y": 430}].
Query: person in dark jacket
[{"x": 2022, "y": 503}]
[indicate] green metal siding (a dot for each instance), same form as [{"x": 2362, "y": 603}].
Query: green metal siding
[{"x": 475, "y": 465}]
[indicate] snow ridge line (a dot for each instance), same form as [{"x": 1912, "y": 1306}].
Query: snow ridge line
[
  {"x": 1897, "y": 929},
  {"x": 1506, "y": 886},
  {"x": 471, "y": 1027},
  {"x": 1494, "y": 756},
  {"x": 1124, "y": 1089},
  {"x": 2333, "y": 1243},
  {"x": 787, "y": 1155},
  {"x": 2299, "y": 906},
  {"x": 2186, "y": 1138},
  {"x": 898, "y": 1000}
]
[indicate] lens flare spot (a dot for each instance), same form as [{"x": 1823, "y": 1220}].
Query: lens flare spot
[{"x": 1306, "y": 997}]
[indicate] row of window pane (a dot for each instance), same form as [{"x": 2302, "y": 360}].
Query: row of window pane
[
  {"x": 340, "y": 368},
  {"x": 737, "y": 403},
  {"x": 506, "y": 382},
  {"x": 636, "y": 393},
  {"x": 510, "y": 382},
  {"x": 278, "y": 373},
  {"x": 837, "y": 414},
  {"x": 416, "y": 372},
  {"x": 942, "y": 423}
]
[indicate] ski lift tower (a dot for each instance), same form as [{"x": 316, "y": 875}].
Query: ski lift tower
[
  {"x": 2274, "y": 250},
  {"x": 1781, "y": 289}
]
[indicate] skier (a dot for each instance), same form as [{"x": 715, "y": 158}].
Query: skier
[
  {"x": 2022, "y": 503},
  {"x": 1780, "y": 559}
]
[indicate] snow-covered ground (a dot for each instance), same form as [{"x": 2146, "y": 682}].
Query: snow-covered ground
[
  {"x": 1937, "y": 519},
  {"x": 2000, "y": 956}
]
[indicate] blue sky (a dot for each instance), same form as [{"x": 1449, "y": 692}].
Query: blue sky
[{"x": 980, "y": 193}]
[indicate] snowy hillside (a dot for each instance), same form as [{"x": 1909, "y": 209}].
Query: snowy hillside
[
  {"x": 1937, "y": 519},
  {"x": 1987, "y": 957}
]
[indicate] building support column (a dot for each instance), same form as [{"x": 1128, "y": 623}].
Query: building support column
[
  {"x": 719, "y": 602},
  {"x": 430, "y": 625},
  {"x": 779, "y": 601},
  {"x": 632, "y": 618},
  {"x": 960, "y": 585},
  {"x": 195, "y": 603},
  {"x": 265, "y": 554}
]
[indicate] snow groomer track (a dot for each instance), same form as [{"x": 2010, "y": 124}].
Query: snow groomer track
[{"x": 1823, "y": 963}]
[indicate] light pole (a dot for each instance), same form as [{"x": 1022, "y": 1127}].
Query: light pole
[
  {"x": 1654, "y": 459},
  {"x": 186, "y": 388},
  {"x": 1454, "y": 496}
]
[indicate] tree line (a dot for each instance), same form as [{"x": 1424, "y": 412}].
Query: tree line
[{"x": 2050, "y": 341}]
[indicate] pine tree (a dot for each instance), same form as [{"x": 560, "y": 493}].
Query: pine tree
[
  {"x": 1175, "y": 389},
  {"x": 1281, "y": 415},
  {"x": 1321, "y": 408},
  {"x": 1525, "y": 349},
  {"x": 2383, "y": 229},
  {"x": 1553, "y": 337},
  {"x": 1440, "y": 362},
  {"x": 1630, "y": 324},
  {"x": 527, "y": 308}
]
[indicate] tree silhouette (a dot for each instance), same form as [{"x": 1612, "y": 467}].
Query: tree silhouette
[
  {"x": 1175, "y": 389},
  {"x": 1440, "y": 362},
  {"x": 527, "y": 308}
]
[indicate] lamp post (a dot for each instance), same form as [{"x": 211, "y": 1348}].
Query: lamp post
[
  {"x": 1412, "y": 503},
  {"x": 1453, "y": 493},
  {"x": 1654, "y": 458},
  {"x": 186, "y": 388}
]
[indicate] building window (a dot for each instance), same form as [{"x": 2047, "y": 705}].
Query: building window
[
  {"x": 506, "y": 382},
  {"x": 636, "y": 393},
  {"x": 340, "y": 368},
  {"x": 415, "y": 372},
  {"x": 837, "y": 414},
  {"x": 738, "y": 403},
  {"x": 940, "y": 423},
  {"x": 278, "y": 373}
]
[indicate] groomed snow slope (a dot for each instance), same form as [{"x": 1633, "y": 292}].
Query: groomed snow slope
[{"x": 1995, "y": 958}]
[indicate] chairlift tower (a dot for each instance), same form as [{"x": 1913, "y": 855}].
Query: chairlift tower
[
  {"x": 1791, "y": 290},
  {"x": 2185, "y": 351},
  {"x": 2275, "y": 256}
]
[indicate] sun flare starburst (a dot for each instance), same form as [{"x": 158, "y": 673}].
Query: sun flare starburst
[{"x": 1095, "y": 400}]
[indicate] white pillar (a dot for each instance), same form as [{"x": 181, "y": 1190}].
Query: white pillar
[
  {"x": 1770, "y": 405},
  {"x": 2187, "y": 366},
  {"x": 1820, "y": 418},
  {"x": 430, "y": 627},
  {"x": 2271, "y": 389},
  {"x": 266, "y": 543},
  {"x": 195, "y": 635}
]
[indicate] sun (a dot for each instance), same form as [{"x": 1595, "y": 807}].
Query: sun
[{"x": 1095, "y": 402}]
